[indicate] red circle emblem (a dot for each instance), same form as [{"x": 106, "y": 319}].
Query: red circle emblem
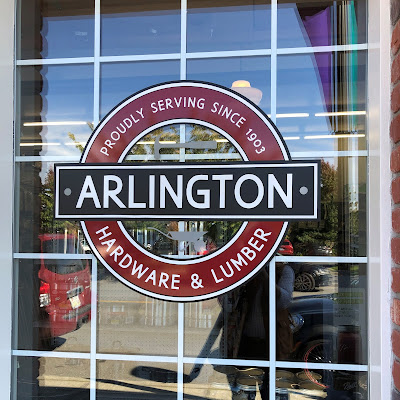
[{"x": 255, "y": 242}]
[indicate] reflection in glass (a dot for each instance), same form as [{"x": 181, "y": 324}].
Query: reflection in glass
[
  {"x": 322, "y": 23},
  {"x": 140, "y": 27},
  {"x": 36, "y": 214},
  {"x": 255, "y": 70},
  {"x": 120, "y": 80},
  {"x": 131, "y": 380},
  {"x": 234, "y": 326},
  {"x": 52, "y": 378},
  {"x": 303, "y": 384},
  {"x": 130, "y": 323},
  {"x": 59, "y": 29},
  {"x": 329, "y": 313},
  {"x": 53, "y": 303},
  {"x": 228, "y": 25},
  {"x": 55, "y": 109},
  {"x": 183, "y": 239},
  {"x": 342, "y": 228},
  {"x": 330, "y": 114},
  {"x": 224, "y": 382}
]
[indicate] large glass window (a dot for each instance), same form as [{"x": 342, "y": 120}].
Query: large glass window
[{"x": 297, "y": 330}]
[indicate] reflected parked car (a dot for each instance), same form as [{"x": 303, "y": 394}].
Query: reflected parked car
[
  {"x": 65, "y": 291},
  {"x": 309, "y": 277},
  {"x": 286, "y": 248}
]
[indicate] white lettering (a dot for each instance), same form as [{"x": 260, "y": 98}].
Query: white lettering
[
  {"x": 205, "y": 193},
  {"x": 88, "y": 192}
]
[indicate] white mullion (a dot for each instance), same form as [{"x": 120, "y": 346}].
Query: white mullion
[
  {"x": 229, "y": 54},
  {"x": 96, "y": 72},
  {"x": 321, "y": 366},
  {"x": 52, "y": 256},
  {"x": 181, "y": 224},
  {"x": 323, "y": 259},
  {"x": 51, "y": 354},
  {"x": 140, "y": 57},
  {"x": 93, "y": 330},
  {"x": 223, "y": 361},
  {"x": 272, "y": 329},
  {"x": 195, "y": 55},
  {"x": 272, "y": 264},
  {"x": 223, "y": 156},
  {"x": 274, "y": 45},
  {"x": 322, "y": 49},
  {"x": 181, "y": 327},
  {"x": 57, "y": 61},
  {"x": 136, "y": 358}
]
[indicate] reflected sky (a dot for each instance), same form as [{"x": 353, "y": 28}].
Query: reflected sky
[
  {"x": 223, "y": 71},
  {"x": 50, "y": 29},
  {"x": 227, "y": 27},
  {"x": 140, "y": 28},
  {"x": 306, "y": 91},
  {"x": 61, "y": 95},
  {"x": 120, "y": 80}
]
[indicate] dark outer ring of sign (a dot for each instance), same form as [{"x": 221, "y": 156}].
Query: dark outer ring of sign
[{"x": 274, "y": 151}]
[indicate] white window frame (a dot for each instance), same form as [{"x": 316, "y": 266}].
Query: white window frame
[{"x": 379, "y": 214}]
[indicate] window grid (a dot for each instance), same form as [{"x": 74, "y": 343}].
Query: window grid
[{"x": 97, "y": 60}]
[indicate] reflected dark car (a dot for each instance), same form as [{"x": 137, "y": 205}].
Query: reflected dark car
[
  {"x": 65, "y": 287},
  {"x": 309, "y": 277},
  {"x": 316, "y": 340},
  {"x": 315, "y": 337}
]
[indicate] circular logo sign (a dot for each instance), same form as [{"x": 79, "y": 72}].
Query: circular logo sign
[{"x": 181, "y": 278}]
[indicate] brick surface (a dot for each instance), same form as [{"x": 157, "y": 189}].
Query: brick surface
[
  {"x": 396, "y": 280},
  {"x": 396, "y": 220},
  {"x": 396, "y": 38},
  {"x": 395, "y": 311},
  {"x": 395, "y": 160},
  {"x": 394, "y": 11},
  {"x": 396, "y": 374},
  {"x": 395, "y": 247},
  {"x": 396, "y": 69},
  {"x": 396, "y": 190},
  {"x": 396, "y": 342},
  {"x": 395, "y": 98},
  {"x": 395, "y": 129}
]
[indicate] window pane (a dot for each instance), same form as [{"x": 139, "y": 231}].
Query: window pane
[
  {"x": 228, "y": 25},
  {"x": 131, "y": 380},
  {"x": 55, "y": 109},
  {"x": 224, "y": 382},
  {"x": 38, "y": 231},
  {"x": 302, "y": 384},
  {"x": 343, "y": 225},
  {"x": 51, "y": 378},
  {"x": 50, "y": 29},
  {"x": 321, "y": 23},
  {"x": 234, "y": 326},
  {"x": 140, "y": 27},
  {"x": 324, "y": 319},
  {"x": 120, "y": 80},
  {"x": 130, "y": 323},
  {"x": 254, "y": 70},
  {"x": 330, "y": 114},
  {"x": 53, "y": 304}
]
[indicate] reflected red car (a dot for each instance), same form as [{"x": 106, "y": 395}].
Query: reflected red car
[
  {"x": 65, "y": 287},
  {"x": 286, "y": 248}
]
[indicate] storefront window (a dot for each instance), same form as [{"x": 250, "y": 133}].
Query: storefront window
[{"x": 299, "y": 328}]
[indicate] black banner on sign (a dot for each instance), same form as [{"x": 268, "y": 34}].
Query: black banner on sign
[{"x": 236, "y": 191}]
